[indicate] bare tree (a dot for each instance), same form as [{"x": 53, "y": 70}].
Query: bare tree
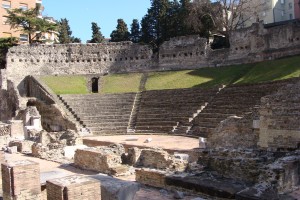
[
  {"x": 225, "y": 15},
  {"x": 237, "y": 13}
]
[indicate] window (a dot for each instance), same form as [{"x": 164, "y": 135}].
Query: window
[
  {"x": 282, "y": 13},
  {"x": 282, "y": 1},
  {"x": 23, "y": 38},
  {"x": 6, "y": 35},
  {"x": 23, "y": 6},
  {"x": 291, "y": 16},
  {"x": 290, "y": 5},
  {"x": 264, "y": 14},
  {"x": 6, "y": 4}
]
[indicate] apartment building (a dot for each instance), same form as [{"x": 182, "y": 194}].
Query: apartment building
[
  {"x": 5, "y": 30},
  {"x": 271, "y": 11}
]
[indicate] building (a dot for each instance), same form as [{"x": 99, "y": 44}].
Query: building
[{"x": 5, "y": 30}]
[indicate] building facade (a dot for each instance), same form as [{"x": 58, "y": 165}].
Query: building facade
[
  {"x": 5, "y": 29},
  {"x": 271, "y": 11}
]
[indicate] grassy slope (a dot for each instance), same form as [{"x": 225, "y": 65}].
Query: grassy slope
[
  {"x": 120, "y": 83},
  {"x": 273, "y": 70},
  {"x": 66, "y": 84},
  {"x": 205, "y": 77}
]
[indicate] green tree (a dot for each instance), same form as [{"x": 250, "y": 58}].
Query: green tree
[
  {"x": 64, "y": 32},
  {"x": 155, "y": 23},
  {"x": 5, "y": 44},
  {"x": 29, "y": 23},
  {"x": 135, "y": 32},
  {"x": 121, "y": 33},
  {"x": 97, "y": 36}
]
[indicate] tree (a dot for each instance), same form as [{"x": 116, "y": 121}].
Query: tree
[
  {"x": 135, "y": 32},
  {"x": 155, "y": 23},
  {"x": 236, "y": 14},
  {"x": 121, "y": 33},
  {"x": 29, "y": 23},
  {"x": 97, "y": 36},
  {"x": 5, "y": 44},
  {"x": 65, "y": 33}
]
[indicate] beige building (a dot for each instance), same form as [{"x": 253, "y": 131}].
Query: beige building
[
  {"x": 5, "y": 30},
  {"x": 270, "y": 11}
]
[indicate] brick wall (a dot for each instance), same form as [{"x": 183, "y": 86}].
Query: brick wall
[
  {"x": 73, "y": 187},
  {"x": 152, "y": 177},
  {"x": 279, "y": 119},
  {"x": 21, "y": 180}
]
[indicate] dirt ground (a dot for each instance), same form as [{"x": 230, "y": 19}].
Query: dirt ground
[{"x": 162, "y": 141}]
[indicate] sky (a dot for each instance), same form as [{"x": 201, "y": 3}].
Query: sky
[{"x": 104, "y": 12}]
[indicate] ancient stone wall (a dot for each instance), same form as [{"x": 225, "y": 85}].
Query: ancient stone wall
[
  {"x": 279, "y": 119},
  {"x": 77, "y": 59},
  {"x": 248, "y": 45}
]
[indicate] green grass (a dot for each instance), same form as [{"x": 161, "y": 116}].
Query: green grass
[
  {"x": 272, "y": 70},
  {"x": 120, "y": 83},
  {"x": 66, "y": 84},
  {"x": 205, "y": 77}
]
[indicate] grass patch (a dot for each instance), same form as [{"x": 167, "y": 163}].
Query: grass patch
[
  {"x": 120, "y": 83},
  {"x": 66, "y": 84},
  {"x": 272, "y": 70},
  {"x": 205, "y": 77}
]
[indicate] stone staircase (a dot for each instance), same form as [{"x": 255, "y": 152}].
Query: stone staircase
[
  {"x": 161, "y": 111},
  {"x": 235, "y": 100},
  {"x": 101, "y": 114}
]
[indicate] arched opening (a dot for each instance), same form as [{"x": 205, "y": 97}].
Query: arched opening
[{"x": 95, "y": 87}]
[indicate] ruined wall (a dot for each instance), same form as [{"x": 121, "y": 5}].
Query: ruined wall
[
  {"x": 235, "y": 132},
  {"x": 279, "y": 119},
  {"x": 248, "y": 45},
  {"x": 27, "y": 60},
  {"x": 183, "y": 52}
]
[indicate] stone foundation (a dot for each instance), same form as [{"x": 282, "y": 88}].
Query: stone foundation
[
  {"x": 73, "y": 187},
  {"x": 160, "y": 159},
  {"x": 21, "y": 180},
  {"x": 96, "y": 159},
  {"x": 151, "y": 177}
]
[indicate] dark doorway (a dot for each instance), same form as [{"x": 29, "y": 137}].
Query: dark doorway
[{"x": 95, "y": 87}]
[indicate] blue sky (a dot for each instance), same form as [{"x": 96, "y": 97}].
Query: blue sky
[{"x": 104, "y": 12}]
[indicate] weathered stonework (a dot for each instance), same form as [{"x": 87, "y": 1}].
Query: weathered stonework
[
  {"x": 152, "y": 177},
  {"x": 279, "y": 119},
  {"x": 160, "y": 159},
  {"x": 234, "y": 132},
  {"x": 103, "y": 160},
  {"x": 26, "y": 180},
  {"x": 73, "y": 187}
]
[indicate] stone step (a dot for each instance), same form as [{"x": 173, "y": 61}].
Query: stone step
[
  {"x": 220, "y": 187},
  {"x": 105, "y": 124},
  {"x": 161, "y": 123},
  {"x": 104, "y": 117}
]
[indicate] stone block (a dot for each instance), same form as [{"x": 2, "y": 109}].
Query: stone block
[
  {"x": 69, "y": 151},
  {"x": 73, "y": 187},
  {"x": 17, "y": 129},
  {"x": 99, "y": 160},
  {"x": 26, "y": 180},
  {"x": 116, "y": 189},
  {"x": 23, "y": 146},
  {"x": 151, "y": 177},
  {"x": 12, "y": 150}
]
